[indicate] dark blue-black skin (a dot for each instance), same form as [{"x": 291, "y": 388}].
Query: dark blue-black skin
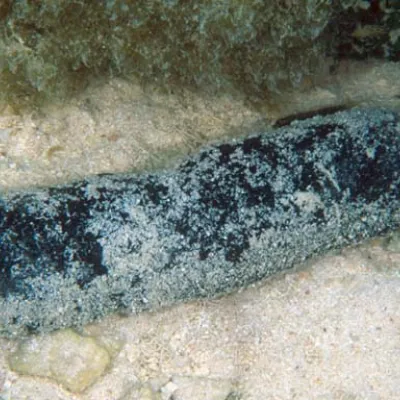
[{"x": 228, "y": 216}]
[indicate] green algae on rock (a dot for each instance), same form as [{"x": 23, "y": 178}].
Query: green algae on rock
[
  {"x": 255, "y": 46},
  {"x": 368, "y": 29}
]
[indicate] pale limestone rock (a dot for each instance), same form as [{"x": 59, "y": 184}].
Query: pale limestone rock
[
  {"x": 202, "y": 388},
  {"x": 33, "y": 388},
  {"x": 142, "y": 393},
  {"x": 73, "y": 361}
]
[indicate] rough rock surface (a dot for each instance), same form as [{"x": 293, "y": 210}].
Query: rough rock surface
[
  {"x": 72, "y": 360},
  {"x": 232, "y": 214}
]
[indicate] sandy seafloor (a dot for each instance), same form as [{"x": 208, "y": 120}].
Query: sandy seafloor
[{"x": 328, "y": 330}]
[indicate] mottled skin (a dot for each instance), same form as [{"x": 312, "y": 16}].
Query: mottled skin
[{"x": 228, "y": 216}]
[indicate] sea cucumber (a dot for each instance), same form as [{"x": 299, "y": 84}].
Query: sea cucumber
[{"x": 225, "y": 217}]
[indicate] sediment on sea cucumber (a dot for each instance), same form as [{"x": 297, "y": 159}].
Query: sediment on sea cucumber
[{"x": 228, "y": 216}]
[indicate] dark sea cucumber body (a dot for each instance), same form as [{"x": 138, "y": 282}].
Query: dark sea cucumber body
[{"x": 232, "y": 214}]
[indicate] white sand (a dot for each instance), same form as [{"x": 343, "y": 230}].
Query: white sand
[{"x": 327, "y": 331}]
